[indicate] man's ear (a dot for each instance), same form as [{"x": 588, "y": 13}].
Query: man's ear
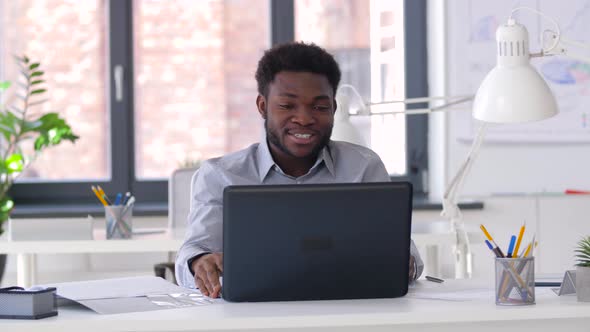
[
  {"x": 261, "y": 105},
  {"x": 335, "y": 106}
]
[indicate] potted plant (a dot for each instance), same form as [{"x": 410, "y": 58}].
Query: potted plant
[
  {"x": 21, "y": 123},
  {"x": 583, "y": 270}
]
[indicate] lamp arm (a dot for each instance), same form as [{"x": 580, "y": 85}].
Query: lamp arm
[
  {"x": 563, "y": 46},
  {"x": 450, "y": 208},
  {"x": 451, "y": 212}
]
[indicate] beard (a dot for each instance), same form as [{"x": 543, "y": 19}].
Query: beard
[{"x": 273, "y": 137}]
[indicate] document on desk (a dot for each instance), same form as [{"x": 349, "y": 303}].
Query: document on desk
[
  {"x": 121, "y": 295},
  {"x": 459, "y": 291}
]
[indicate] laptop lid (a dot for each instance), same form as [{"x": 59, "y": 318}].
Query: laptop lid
[{"x": 316, "y": 242}]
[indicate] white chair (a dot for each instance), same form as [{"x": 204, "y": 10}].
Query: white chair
[{"x": 179, "y": 202}]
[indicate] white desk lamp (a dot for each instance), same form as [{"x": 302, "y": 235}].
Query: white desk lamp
[{"x": 512, "y": 92}]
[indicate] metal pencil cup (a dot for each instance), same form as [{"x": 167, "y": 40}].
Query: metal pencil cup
[
  {"x": 118, "y": 221},
  {"x": 515, "y": 281}
]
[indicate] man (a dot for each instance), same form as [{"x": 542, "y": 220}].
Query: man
[{"x": 297, "y": 85}]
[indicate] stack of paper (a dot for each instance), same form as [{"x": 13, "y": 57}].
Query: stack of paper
[{"x": 121, "y": 295}]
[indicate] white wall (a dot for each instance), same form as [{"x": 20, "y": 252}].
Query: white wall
[{"x": 558, "y": 220}]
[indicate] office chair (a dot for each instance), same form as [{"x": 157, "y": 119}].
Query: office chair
[{"x": 179, "y": 199}]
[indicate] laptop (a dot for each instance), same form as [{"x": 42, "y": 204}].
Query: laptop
[{"x": 316, "y": 242}]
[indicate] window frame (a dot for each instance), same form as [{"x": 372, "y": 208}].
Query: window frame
[{"x": 121, "y": 158}]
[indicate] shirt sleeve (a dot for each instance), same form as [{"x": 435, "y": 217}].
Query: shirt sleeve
[
  {"x": 204, "y": 224},
  {"x": 417, "y": 260}
]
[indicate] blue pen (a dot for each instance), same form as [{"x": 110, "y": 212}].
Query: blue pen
[
  {"x": 118, "y": 199},
  {"x": 126, "y": 198},
  {"x": 511, "y": 246}
]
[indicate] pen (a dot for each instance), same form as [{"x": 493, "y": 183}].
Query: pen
[
  {"x": 433, "y": 279},
  {"x": 485, "y": 232},
  {"x": 511, "y": 246},
  {"x": 118, "y": 198},
  {"x": 520, "y": 234},
  {"x": 126, "y": 198},
  {"x": 495, "y": 250}
]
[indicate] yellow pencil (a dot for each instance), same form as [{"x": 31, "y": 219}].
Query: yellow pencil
[
  {"x": 519, "y": 240},
  {"x": 529, "y": 247},
  {"x": 102, "y": 193},
  {"x": 99, "y": 196}
]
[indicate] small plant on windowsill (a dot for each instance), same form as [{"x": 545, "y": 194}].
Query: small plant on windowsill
[
  {"x": 20, "y": 123},
  {"x": 583, "y": 269}
]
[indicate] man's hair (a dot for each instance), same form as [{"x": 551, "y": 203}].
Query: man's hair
[{"x": 297, "y": 57}]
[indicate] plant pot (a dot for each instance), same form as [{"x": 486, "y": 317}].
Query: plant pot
[
  {"x": 583, "y": 283},
  {"x": 2, "y": 266}
]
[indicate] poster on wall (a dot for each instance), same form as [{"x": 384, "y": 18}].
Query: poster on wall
[{"x": 472, "y": 54}]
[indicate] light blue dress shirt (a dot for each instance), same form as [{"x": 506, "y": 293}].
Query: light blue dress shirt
[{"x": 339, "y": 162}]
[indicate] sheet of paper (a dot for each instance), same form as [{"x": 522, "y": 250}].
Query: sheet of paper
[
  {"x": 117, "y": 288},
  {"x": 121, "y": 305}
]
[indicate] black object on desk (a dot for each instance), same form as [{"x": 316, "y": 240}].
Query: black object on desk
[{"x": 17, "y": 303}]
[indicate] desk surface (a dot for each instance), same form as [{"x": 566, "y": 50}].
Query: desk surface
[
  {"x": 156, "y": 242},
  {"x": 551, "y": 313}
]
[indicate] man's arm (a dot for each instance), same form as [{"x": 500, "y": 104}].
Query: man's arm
[
  {"x": 204, "y": 224},
  {"x": 376, "y": 172}
]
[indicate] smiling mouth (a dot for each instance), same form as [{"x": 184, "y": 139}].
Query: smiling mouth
[{"x": 302, "y": 138}]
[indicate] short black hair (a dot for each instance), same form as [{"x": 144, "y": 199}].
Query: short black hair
[{"x": 298, "y": 57}]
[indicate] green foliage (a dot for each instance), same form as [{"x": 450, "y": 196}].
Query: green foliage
[
  {"x": 18, "y": 125},
  {"x": 583, "y": 252}
]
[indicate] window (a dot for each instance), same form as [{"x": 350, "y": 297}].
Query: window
[
  {"x": 150, "y": 84},
  {"x": 380, "y": 46},
  {"x": 366, "y": 37}
]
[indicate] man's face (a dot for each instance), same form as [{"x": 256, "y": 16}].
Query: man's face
[{"x": 298, "y": 113}]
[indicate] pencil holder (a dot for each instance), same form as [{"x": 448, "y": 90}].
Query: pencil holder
[
  {"x": 515, "y": 281},
  {"x": 118, "y": 221}
]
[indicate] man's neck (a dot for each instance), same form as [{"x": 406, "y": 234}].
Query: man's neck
[{"x": 290, "y": 165}]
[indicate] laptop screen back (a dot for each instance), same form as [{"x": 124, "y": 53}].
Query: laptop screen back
[{"x": 313, "y": 242}]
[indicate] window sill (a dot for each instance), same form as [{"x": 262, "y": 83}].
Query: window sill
[{"x": 82, "y": 210}]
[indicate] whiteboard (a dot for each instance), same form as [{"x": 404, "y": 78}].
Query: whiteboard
[
  {"x": 553, "y": 155},
  {"x": 471, "y": 43}
]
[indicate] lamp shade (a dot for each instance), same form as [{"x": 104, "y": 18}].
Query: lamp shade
[{"x": 513, "y": 92}]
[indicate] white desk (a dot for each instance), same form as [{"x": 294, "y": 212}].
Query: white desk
[
  {"x": 551, "y": 313},
  {"x": 26, "y": 251}
]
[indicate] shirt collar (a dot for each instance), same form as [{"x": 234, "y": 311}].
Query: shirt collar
[{"x": 266, "y": 163}]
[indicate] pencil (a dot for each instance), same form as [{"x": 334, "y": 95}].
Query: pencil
[
  {"x": 519, "y": 240},
  {"x": 95, "y": 191}
]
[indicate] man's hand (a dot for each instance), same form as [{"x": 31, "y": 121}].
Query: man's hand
[
  {"x": 207, "y": 270},
  {"x": 412, "y": 268}
]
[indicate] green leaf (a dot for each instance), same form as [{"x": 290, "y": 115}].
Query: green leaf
[
  {"x": 34, "y": 65},
  {"x": 9, "y": 124},
  {"x": 37, "y": 73},
  {"x": 38, "y": 91},
  {"x": 38, "y": 102},
  {"x": 52, "y": 131},
  {"x": 37, "y": 82},
  {"x": 4, "y": 85},
  {"x": 28, "y": 126},
  {"x": 6, "y": 204},
  {"x": 14, "y": 163},
  {"x": 26, "y": 59}
]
